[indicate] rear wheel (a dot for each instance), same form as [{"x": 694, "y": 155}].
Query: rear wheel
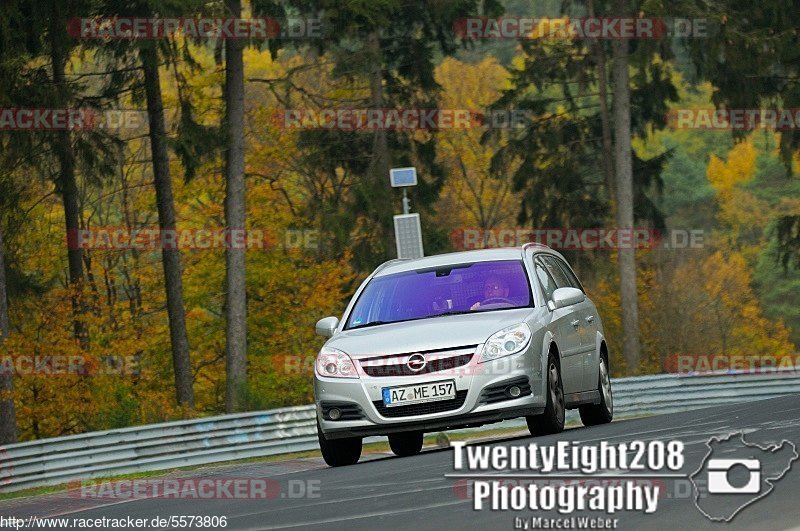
[
  {"x": 339, "y": 452},
  {"x": 552, "y": 420},
  {"x": 602, "y": 413},
  {"x": 406, "y": 444}
]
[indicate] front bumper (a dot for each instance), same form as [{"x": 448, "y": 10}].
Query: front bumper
[{"x": 478, "y": 400}]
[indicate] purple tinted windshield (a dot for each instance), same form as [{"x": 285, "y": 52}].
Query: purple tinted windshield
[{"x": 463, "y": 288}]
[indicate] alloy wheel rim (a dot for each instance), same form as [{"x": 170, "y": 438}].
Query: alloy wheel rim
[{"x": 605, "y": 385}]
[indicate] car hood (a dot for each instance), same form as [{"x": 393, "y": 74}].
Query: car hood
[{"x": 426, "y": 334}]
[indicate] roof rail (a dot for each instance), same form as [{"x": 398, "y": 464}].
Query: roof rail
[
  {"x": 537, "y": 245},
  {"x": 389, "y": 262}
]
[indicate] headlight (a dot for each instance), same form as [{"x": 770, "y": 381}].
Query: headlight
[
  {"x": 507, "y": 341},
  {"x": 335, "y": 364}
]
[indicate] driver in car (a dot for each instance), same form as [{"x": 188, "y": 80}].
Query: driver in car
[{"x": 495, "y": 290}]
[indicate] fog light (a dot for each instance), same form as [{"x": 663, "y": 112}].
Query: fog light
[
  {"x": 514, "y": 391},
  {"x": 335, "y": 413}
]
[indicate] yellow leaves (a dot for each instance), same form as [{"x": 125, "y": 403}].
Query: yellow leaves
[
  {"x": 698, "y": 305},
  {"x": 724, "y": 176},
  {"x": 470, "y": 86},
  {"x": 61, "y": 388},
  {"x": 259, "y": 63},
  {"x": 734, "y": 314},
  {"x": 727, "y": 277},
  {"x": 198, "y": 314},
  {"x": 471, "y": 197},
  {"x": 739, "y": 210}
]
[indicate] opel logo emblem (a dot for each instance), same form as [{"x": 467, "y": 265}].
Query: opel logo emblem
[{"x": 416, "y": 362}]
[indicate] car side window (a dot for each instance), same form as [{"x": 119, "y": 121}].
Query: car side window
[
  {"x": 573, "y": 280},
  {"x": 562, "y": 281},
  {"x": 546, "y": 281}
]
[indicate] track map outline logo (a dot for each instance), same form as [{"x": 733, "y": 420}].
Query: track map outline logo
[{"x": 762, "y": 463}]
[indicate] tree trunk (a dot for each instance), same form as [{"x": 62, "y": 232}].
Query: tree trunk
[
  {"x": 605, "y": 119},
  {"x": 379, "y": 165},
  {"x": 624, "y": 165},
  {"x": 170, "y": 255},
  {"x": 8, "y": 418},
  {"x": 66, "y": 184},
  {"x": 235, "y": 278}
]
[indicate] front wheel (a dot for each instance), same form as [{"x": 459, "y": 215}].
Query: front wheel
[
  {"x": 602, "y": 413},
  {"x": 339, "y": 452},
  {"x": 406, "y": 444},
  {"x": 552, "y": 420}
]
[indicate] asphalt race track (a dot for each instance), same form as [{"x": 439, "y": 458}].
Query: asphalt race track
[{"x": 383, "y": 492}]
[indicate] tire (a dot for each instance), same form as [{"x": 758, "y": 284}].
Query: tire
[
  {"x": 339, "y": 452},
  {"x": 406, "y": 444},
  {"x": 602, "y": 413},
  {"x": 552, "y": 420}
]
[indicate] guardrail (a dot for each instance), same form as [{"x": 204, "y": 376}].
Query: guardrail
[{"x": 230, "y": 437}]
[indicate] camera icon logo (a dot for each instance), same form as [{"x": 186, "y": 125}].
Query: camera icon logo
[
  {"x": 719, "y": 482},
  {"x": 736, "y": 473}
]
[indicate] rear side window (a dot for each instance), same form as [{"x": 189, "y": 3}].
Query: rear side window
[
  {"x": 562, "y": 280},
  {"x": 567, "y": 278}
]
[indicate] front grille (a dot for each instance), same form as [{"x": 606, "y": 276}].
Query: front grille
[
  {"x": 497, "y": 393},
  {"x": 438, "y": 360},
  {"x": 441, "y": 364},
  {"x": 349, "y": 411},
  {"x": 426, "y": 408}
]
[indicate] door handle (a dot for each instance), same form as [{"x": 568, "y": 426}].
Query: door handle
[
  {"x": 590, "y": 319},
  {"x": 576, "y": 323}
]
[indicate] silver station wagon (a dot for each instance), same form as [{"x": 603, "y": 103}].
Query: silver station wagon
[{"x": 460, "y": 340}]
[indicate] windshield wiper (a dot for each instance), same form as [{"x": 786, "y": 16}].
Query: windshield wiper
[
  {"x": 372, "y": 323},
  {"x": 454, "y": 312}
]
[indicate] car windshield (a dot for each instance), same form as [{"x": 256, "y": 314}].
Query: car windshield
[{"x": 446, "y": 290}]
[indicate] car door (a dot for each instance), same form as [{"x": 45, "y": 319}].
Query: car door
[
  {"x": 583, "y": 320},
  {"x": 567, "y": 334},
  {"x": 590, "y": 326}
]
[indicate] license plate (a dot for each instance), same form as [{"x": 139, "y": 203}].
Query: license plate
[{"x": 414, "y": 394}]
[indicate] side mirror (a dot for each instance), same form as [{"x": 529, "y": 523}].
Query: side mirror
[
  {"x": 326, "y": 327},
  {"x": 566, "y": 297}
]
